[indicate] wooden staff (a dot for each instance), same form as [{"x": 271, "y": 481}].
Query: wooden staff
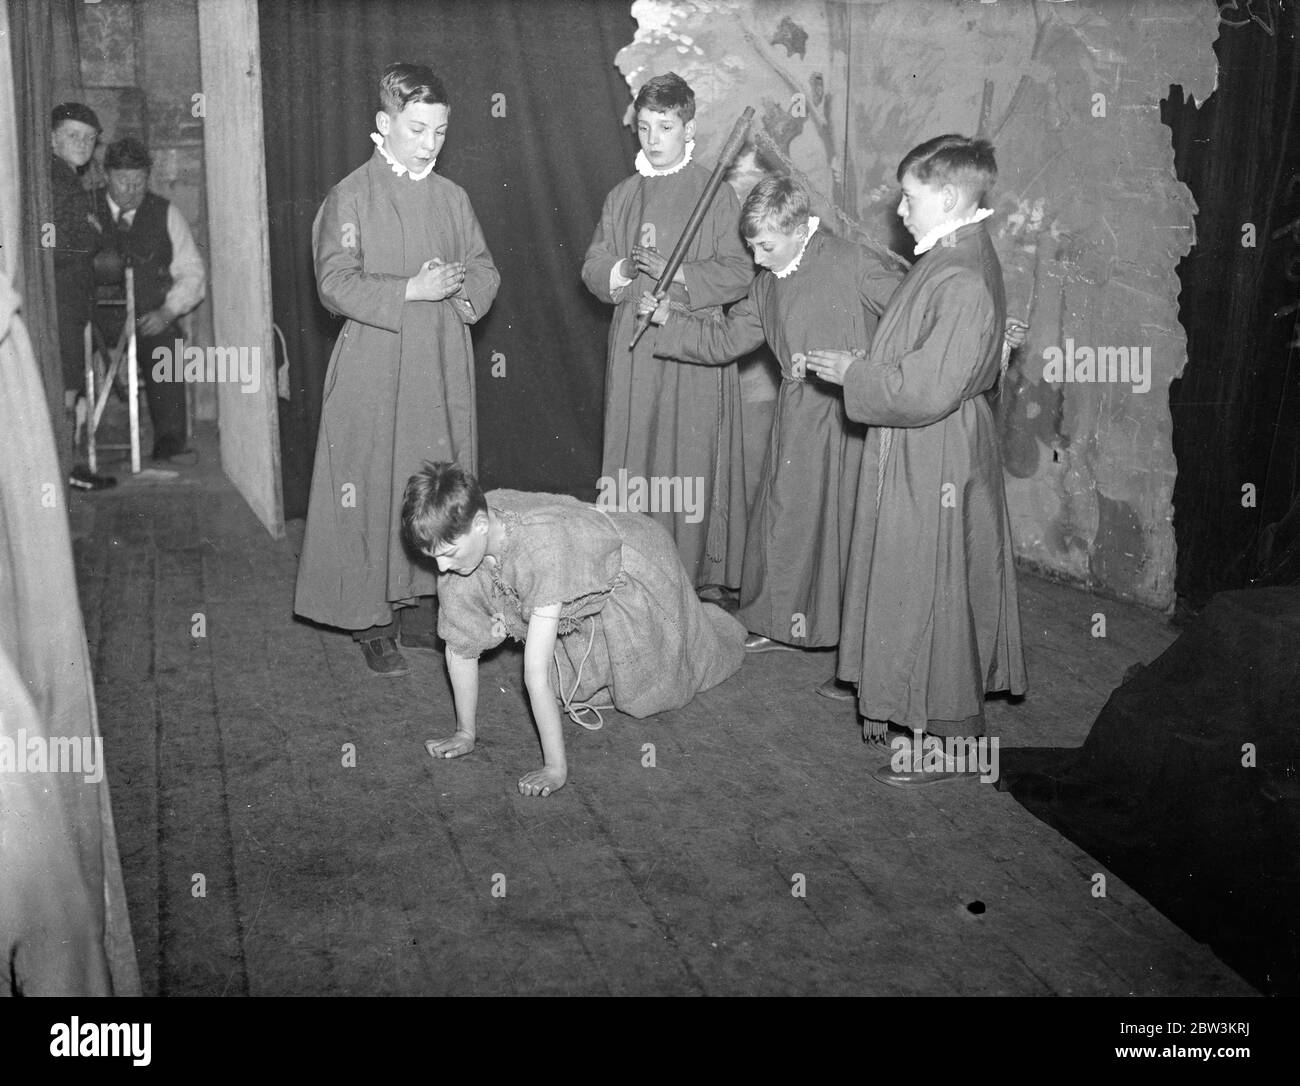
[{"x": 692, "y": 228}]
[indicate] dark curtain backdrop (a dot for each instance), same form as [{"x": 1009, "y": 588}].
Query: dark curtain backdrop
[
  {"x": 537, "y": 178},
  {"x": 43, "y": 45},
  {"x": 1236, "y": 410}
]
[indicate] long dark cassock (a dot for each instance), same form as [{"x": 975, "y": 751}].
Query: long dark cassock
[
  {"x": 931, "y": 618},
  {"x": 797, "y": 538},
  {"x": 399, "y": 389},
  {"x": 676, "y": 422}
]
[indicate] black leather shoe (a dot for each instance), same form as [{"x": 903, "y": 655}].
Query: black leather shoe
[
  {"x": 84, "y": 479},
  {"x": 943, "y": 769},
  {"x": 174, "y": 451},
  {"x": 383, "y": 658},
  {"x": 838, "y": 690},
  {"x": 887, "y": 775},
  {"x": 421, "y": 640},
  {"x": 759, "y": 643}
]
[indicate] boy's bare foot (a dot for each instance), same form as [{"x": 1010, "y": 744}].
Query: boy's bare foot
[
  {"x": 451, "y": 747},
  {"x": 542, "y": 782}
]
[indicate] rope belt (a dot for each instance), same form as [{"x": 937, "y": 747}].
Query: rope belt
[
  {"x": 886, "y": 442},
  {"x": 715, "y": 547},
  {"x": 574, "y": 709}
]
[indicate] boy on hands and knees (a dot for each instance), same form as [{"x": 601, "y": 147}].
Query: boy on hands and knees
[
  {"x": 931, "y": 618},
  {"x": 599, "y": 599},
  {"x": 399, "y": 253}
]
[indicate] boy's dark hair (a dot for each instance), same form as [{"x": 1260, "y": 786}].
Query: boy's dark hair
[
  {"x": 779, "y": 200},
  {"x": 403, "y": 84},
  {"x": 953, "y": 160},
  {"x": 74, "y": 111},
  {"x": 128, "y": 153},
  {"x": 668, "y": 93},
  {"x": 439, "y": 505}
]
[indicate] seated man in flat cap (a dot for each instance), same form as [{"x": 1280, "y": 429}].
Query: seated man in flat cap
[{"x": 149, "y": 232}]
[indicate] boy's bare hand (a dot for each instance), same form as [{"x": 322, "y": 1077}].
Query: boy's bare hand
[
  {"x": 649, "y": 261},
  {"x": 542, "y": 782},
  {"x": 154, "y": 321},
  {"x": 451, "y": 747},
  {"x": 435, "y": 281},
  {"x": 1017, "y": 331},
  {"x": 831, "y": 366},
  {"x": 650, "y": 304}
]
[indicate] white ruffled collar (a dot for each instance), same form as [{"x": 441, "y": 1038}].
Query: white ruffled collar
[
  {"x": 931, "y": 239},
  {"x": 793, "y": 266},
  {"x": 644, "y": 168},
  {"x": 396, "y": 166}
]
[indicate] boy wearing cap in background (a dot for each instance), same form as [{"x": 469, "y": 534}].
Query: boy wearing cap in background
[{"x": 74, "y": 132}]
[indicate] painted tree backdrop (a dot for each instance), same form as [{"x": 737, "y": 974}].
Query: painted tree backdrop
[{"x": 1091, "y": 220}]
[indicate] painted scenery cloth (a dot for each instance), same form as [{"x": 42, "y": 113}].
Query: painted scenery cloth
[
  {"x": 931, "y": 617},
  {"x": 677, "y": 422},
  {"x": 797, "y": 539},
  {"x": 399, "y": 389},
  {"x": 629, "y": 616}
]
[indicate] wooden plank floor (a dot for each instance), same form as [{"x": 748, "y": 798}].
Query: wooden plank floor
[{"x": 257, "y": 863}]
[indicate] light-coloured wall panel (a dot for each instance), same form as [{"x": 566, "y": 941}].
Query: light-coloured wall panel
[{"x": 240, "y": 276}]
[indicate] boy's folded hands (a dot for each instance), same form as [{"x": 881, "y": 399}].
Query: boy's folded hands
[
  {"x": 649, "y": 260},
  {"x": 435, "y": 281}
]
